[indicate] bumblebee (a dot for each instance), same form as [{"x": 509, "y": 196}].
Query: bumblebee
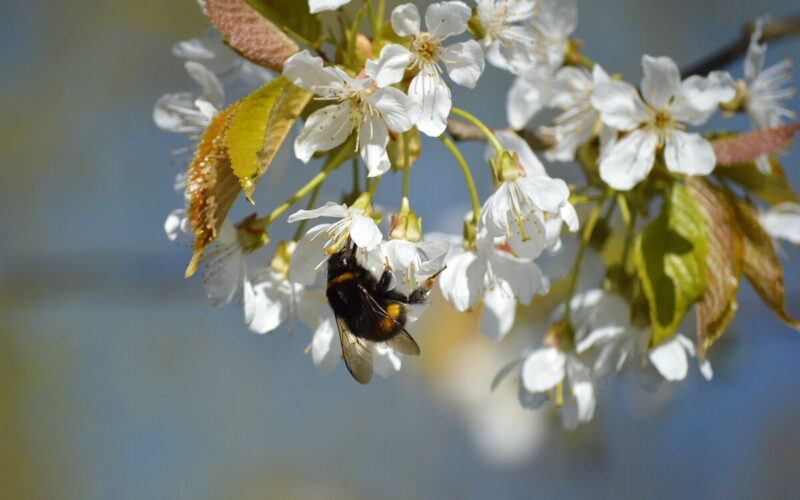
[{"x": 368, "y": 312}]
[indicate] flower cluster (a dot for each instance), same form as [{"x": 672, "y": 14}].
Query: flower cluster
[{"x": 365, "y": 100}]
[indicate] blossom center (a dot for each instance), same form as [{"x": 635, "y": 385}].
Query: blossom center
[{"x": 425, "y": 48}]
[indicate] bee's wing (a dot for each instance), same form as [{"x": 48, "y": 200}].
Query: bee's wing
[
  {"x": 402, "y": 342},
  {"x": 356, "y": 356}
]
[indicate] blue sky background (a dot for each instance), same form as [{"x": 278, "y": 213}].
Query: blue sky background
[{"x": 118, "y": 381}]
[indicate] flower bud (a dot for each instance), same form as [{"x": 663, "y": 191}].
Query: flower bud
[
  {"x": 406, "y": 225},
  {"x": 283, "y": 254},
  {"x": 250, "y": 237}
]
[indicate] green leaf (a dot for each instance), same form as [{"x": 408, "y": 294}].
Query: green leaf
[
  {"x": 670, "y": 257},
  {"x": 250, "y": 34},
  {"x": 260, "y": 126},
  {"x": 772, "y": 187},
  {"x": 210, "y": 185},
  {"x": 293, "y": 17},
  {"x": 761, "y": 266},
  {"x": 724, "y": 262}
]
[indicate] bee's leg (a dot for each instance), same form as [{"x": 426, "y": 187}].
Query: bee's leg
[
  {"x": 385, "y": 280},
  {"x": 420, "y": 295}
]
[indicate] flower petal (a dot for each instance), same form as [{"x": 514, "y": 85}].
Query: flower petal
[
  {"x": 499, "y": 307},
  {"x": 390, "y": 67},
  {"x": 397, "y": 109},
  {"x": 461, "y": 281},
  {"x": 262, "y": 313},
  {"x": 446, "y": 19},
  {"x": 547, "y": 193},
  {"x": 329, "y": 209},
  {"x": 306, "y": 71},
  {"x": 326, "y": 349},
  {"x": 372, "y": 139},
  {"x": 464, "y": 62},
  {"x": 364, "y": 232},
  {"x": 661, "y": 80},
  {"x": 324, "y": 129},
  {"x": 323, "y": 5},
  {"x": 524, "y": 277},
  {"x": 689, "y": 153},
  {"x": 224, "y": 277},
  {"x": 629, "y": 160},
  {"x": 210, "y": 51},
  {"x": 177, "y": 224},
  {"x": 406, "y": 20},
  {"x": 208, "y": 81},
  {"x": 700, "y": 97},
  {"x": 669, "y": 358},
  {"x": 529, "y": 93},
  {"x": 782, "y": 221},
  {"x": 543, "y": 369},
  {"x": 305, "y": 266},
  {"x": 429, "y": 90},
  {"x": 619, "y": 105},
  {"x": 580, "y": 379}
]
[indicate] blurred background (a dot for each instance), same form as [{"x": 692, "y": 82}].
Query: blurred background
[{"x": 117, "y": 380}]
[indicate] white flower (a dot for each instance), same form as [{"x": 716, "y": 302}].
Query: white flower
[
  {"x": 666, "y": 361},
  {"x": 766, "y": 89},
  {"x": 412, "y": 263},
  {"x": 782, "y": 221},
  {"x": 269, "y": 300},
  {"x": 530, "y": 93},
  {"x": 670, "y": 359},
  {"x": 320, "y": 241},
  {"x": 528, "y": 207},
  {"x": 554, "y": 22},
  {"x": 551, "y": 369},
  {"x": 493, "y": 274},
  {"x": 655, "y": 123},
  {"x": 464, "y": 60},
  {"x": 579, "y": 121},
  {"x": 183, "y": 112},
  {"x": 359, "y": 106},
  {"x": 509, "y": 46},
  {"x": 323, "y": 5}
]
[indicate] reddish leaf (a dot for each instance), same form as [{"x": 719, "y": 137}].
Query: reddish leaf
[
  {"x": 211, "y": 185},
  {"x": 743, "y": 148},
  {"x": 724, "y": 261},
  {"x": 250, "y": 33}
]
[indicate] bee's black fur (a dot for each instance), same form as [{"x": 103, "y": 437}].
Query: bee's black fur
[{"x": 364, "y": 302}]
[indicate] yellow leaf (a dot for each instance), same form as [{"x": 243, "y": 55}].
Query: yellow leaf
[
  {"x": 211, "y": 186},
  {"x": 260, "y": 126}
]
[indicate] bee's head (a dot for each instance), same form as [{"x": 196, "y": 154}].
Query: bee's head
[{"x": 343, "y": 259}]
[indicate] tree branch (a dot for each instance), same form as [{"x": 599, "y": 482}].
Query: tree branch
[{"x": 776, "y": 29}]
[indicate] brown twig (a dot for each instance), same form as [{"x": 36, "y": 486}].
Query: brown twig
[{"x": 776, "y": 29}]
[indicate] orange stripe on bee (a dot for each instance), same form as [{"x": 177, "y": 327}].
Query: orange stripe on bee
[
  {"x": 393, "y": 310},
  {"x": 386, "y": 324},
  {"x": 341, "y": 278}
]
